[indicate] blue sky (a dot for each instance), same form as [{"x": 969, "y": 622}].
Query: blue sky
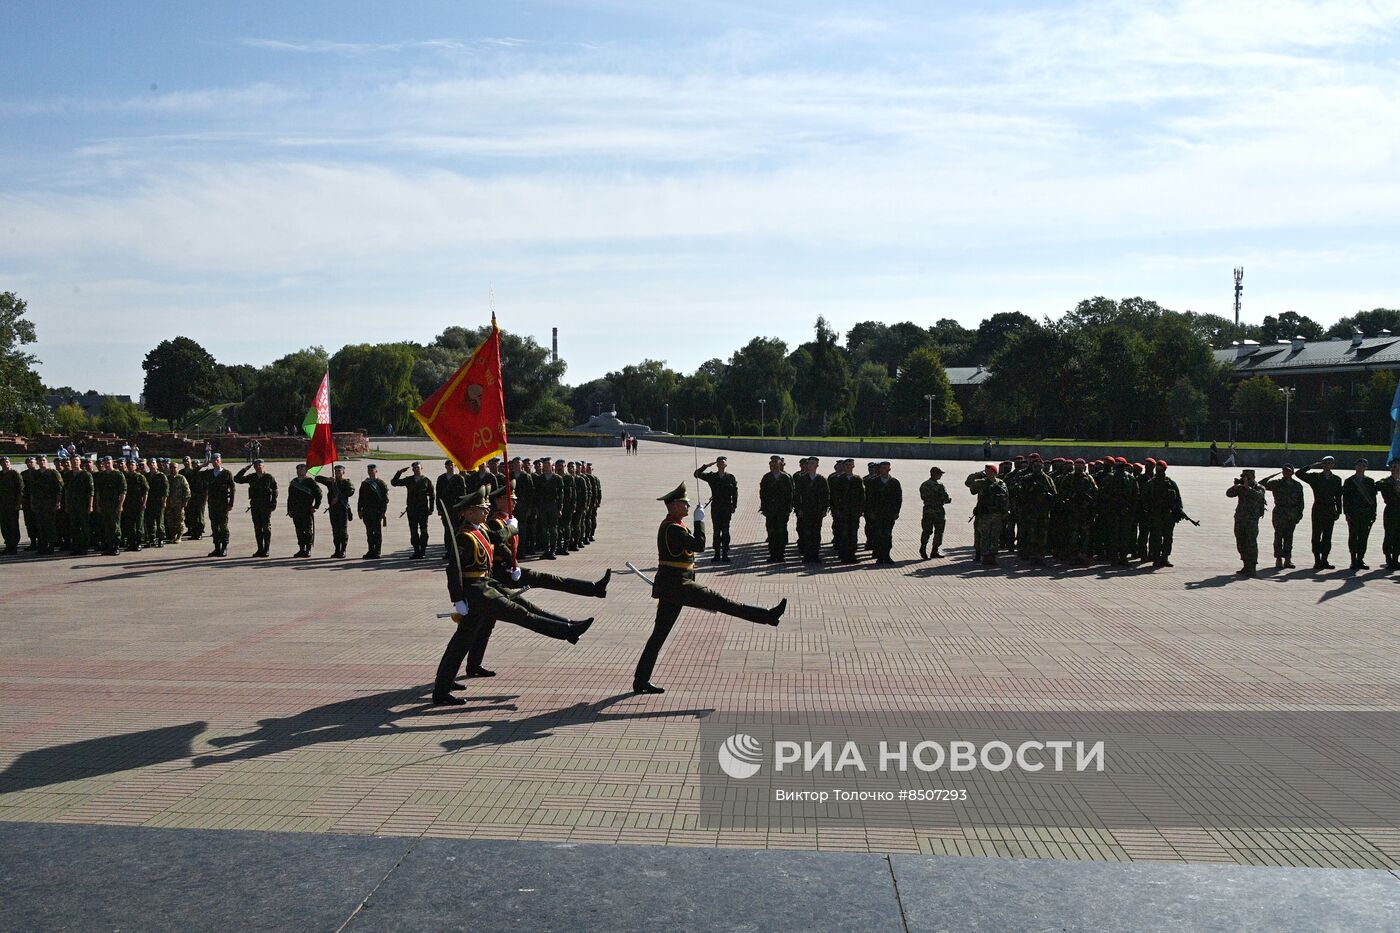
[{"x": 668, "y": 180}]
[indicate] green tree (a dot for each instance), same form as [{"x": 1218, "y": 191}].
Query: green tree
[
  {"x": 953, "y": 342},
  {"x": 181, "y": 376},
  {"x": 371, "y": 386},
  {"x": 1376, "y": 398},
  {"x": 922, "y": 375},
  {"x": 22, "y": 408},
  {"x": 822, "y": 385},
  {"x": 760, "y": 370},
  {"x": 1370, "y": 322},
  {"x": 642, "y": 391},
  {"x": 70, "y": 419},
  {"x": 696, "y": 399},
  {"x": 527, "y": 370},
  {"x": 282, "y": 393},
  {"x": 1258, "y": 402},
  {"x": 236, "y": 382},
  {"x": 118, "y": 417},
  {"x": 994, "y": 334},
  {"x": 547, "y": 414},
  {"x": 870, "y": 414},
  {"x": 1335, "y": 408},
  {"x": 1187, "y": 405},
  {"x": 1288, "y": 325},
  {"x": 592, "y": 398}
]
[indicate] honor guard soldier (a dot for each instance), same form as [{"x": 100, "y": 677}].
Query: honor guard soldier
[
  {"x": 1288, "y": 512},
  {"x": 158, "y": 488},
  {"x": 503, "y": 529},
  {"x": 934, "y": 518},
  {"x": 1249, "y": 509},
  {"x": 177, "y": 501},
  {"x": 883, "y": 500},
  {"x": 675, "y": 586},
  {"x": 724, "y": 502},
  {"x": 133, "y": 507},
  {"x": 419, "y": 507},
  {"x": 220, "y": 492},
  {"x": 197, "y": 477},
  {"x": 811, "y": 497},
  {"x": 262, "y": 502},
  {"x": 1326, "y": 507},
  {"x": 775, "y": 502},
  {"x": 1359, "y": 507},
  {"x": 450, "y": 486},
  {"x": 1389, "y": 489},
  {"x": 993, "y": 505},
  {"x": 339, "y": 492},
  {"x": 303, "y": 499},
  {"x": 476, "y": 600},
  {"x": 78, "y": 493},
  {"x": 373, "y": 509},
  {"x": 11, "y": 499},
  {"x": 109, "y": 499}
]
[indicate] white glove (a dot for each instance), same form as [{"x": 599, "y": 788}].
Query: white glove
[
  {"x": 515, "y": 574},
  {"x": 699, "y": 513},
  {"x": 512, "y": 525},
  {"x": 460, "y": 607}
]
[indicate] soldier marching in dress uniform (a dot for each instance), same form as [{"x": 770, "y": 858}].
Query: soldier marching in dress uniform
[
  {"x": 724, "y": 502},
  {"x": 419, "y": 507},
  {"x": 1288, "y": 512},
  {"x": 303, "y": 499},
  {"x": 373, "y": 509},
  {"x": 675, "y": 586},
  {"x": 477, "y": 600},
  {"x": 339, "y": 492},
  {"x": 219, "y": 494},
  {"x": 262, "y": 502},
  {"x": 934, "y": 517}
]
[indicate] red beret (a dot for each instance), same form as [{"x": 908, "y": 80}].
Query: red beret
[
  {"x": 1161, "y": 464},
  {"x": 1146, "y": 460}
]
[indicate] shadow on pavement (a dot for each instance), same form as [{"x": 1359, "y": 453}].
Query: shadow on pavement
[
  {"x": 506, "y": 731},
  {"x": 96, "y": 757}
]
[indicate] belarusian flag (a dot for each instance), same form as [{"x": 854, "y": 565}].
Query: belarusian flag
[{"x": 318, "y": 427}]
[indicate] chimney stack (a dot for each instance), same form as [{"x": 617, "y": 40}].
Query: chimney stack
[{"x": 554, "y": 349}]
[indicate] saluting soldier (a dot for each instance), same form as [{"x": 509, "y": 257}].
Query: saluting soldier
[
  {"x": 993, "y": 505},
  {"x": 77, "y": 505},
  {"x": 675, "y": 586},
  {"x": 134, "y": 506},
  {"x": 177, "y": 500},
  {"x": 1326, "y": 507},
  {"x": 154, "y": 517},
  {"x": 1248, "y": 510},
  {"x": 219, "y": 492},
  {"x": 883, "y": 500},
  {"x": 934, "y": 517},
  {"x": 1288, "y": 512},
  {"x": 775, "y": 502},
  {"x": 551, "y": 492},
  {"x": 724, "y": 502},
  {"x": 197, "y": 478},
  {"x": 262, "y": 502},
  {"x": 303, "y": 499},
  {"x": 109, "y": 500},
  {"x": 1389, "y": 489},
  {"x": 502, "y": 528},
  {"x": 373, "y": 509},
  {"x": 419, "y": 507},
  {"x": 1359, "y": 506},
  {"x": 11, "y": 499},
  {"x": 449, "y": 487},
  {"x": 476, "y": 600},
  {"x": 339, "y": 492}
]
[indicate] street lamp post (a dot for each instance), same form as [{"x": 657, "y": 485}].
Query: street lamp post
[
  {"x": 929, "y": 399},
  {"x": 1287, "y": 399},
  {"x": 762, "y": 417},
  {"x": 668, "y": 417}
]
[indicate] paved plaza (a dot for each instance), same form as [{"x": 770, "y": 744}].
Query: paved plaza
[{"x": 164, "y": 689}]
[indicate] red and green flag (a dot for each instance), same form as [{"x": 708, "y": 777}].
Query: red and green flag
[{"x": 318, "y": 427}]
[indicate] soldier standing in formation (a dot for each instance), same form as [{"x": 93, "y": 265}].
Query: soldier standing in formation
[
  {"x": 775, "y": 502},
  {"x": 77, "y": 507},
  {"x": 303, "y": 499},
  {"x": 219, "y": 494},
  {"x": 993, "y": 507},
  {"x": 1389, "y": 489},
  {"x": 883, "y": 500},
  {"x": 522, "y": 483},
  {"x": 811, "y": 497},
  {"x": 419, "y": 507},
  {"x": 450, "y": 486},
  {"x": 339, "y": 492},
  {"x": 1078, "y": 495},
  {"x": 373, "y": 509},
  {"x": 1248, "y": 510},
  {"x": 31, "y": 528},
  {"x": 1163, "y": 509},
  {"x": 158, "y": 488},
  {"x": 550, "y": 489},
  {"x": 177, "y": 501},
  {"x": 262, "y": 502},
  {"x": 1032, "y": 498},
  {"x": 934, "y": 517},
  {"x": 675, "y": 586},
  {"x": 11, "y": 499},
  {"x": 1288, "y": 512},
  {"x": 133, "y": 506},
  {"x": 197, "y": 478},
  {"x": 45, "y": 490},
  {"x": 1359, "y": 506},
  {"x": 109, "y": 501},
  {"x": 1326, "y": 508},
  {"x": 847, "y": 494},
  {"x": 724, "y": 502},
  {"x": 477, "y": 600},
  {"x": 567, "y": 504}
]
